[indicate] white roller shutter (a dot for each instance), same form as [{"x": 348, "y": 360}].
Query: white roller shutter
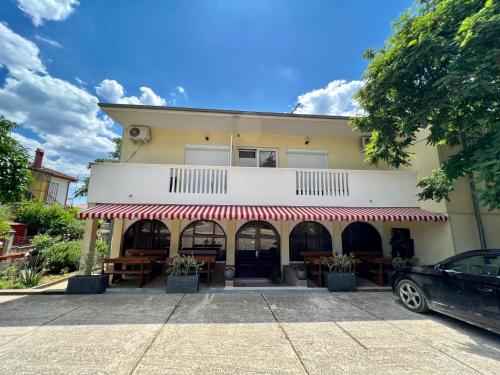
[
  {"x": 301, "y": 158},
  {"x": 207, "y": 155}
]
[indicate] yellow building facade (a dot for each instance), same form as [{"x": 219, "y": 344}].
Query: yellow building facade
[{"x": 268, "y": 161}]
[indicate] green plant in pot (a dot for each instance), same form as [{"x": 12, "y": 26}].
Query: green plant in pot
[
  {"x": 301, "y": 272},
  {"x": 340, "y": 276},
  {"x": 183, "y": 276},
  {"x": 229, "y": 272}
]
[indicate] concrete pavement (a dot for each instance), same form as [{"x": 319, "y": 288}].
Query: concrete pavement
[{"x": 236, "y": 333}]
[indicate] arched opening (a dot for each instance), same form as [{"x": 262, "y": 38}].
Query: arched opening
[
  {"x": 204, "y": 235},
  {"x": 257, "y": 250},
  {"x": 309, "y": 236},
  {"x": 147, "y": 235},
  {"x": 361, "y": 239}
]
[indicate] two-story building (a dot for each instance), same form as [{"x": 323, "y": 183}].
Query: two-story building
[
  {"x": 263, "y": 188},
  {"x": 49, "y": 186}
]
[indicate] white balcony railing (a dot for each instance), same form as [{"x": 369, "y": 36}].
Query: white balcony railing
[{"x": 179, "y": 184}]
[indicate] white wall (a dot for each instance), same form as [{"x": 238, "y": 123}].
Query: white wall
[
  {"x": 149, "y": 184},
  {"x": 62, "y": 190}
]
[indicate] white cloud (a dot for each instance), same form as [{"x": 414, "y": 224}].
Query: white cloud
[
  {"x": 65, "y": 118},
  {"x": 80, "y": 81},
  {"x": 50, "y": 42},
  {"x": 182, "y": 91},
  {"x": 335, "y": 99},
  {"x": 113, "y": 92},
  {"x": 51, "y": 10},
  {"x": 17, "y": 53}
]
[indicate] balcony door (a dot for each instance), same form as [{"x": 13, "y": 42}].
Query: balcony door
[
  {"x": 257, "y": 250},
  {"x": 257, "y": 157}
]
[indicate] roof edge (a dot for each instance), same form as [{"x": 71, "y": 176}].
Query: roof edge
[{"x": 221, "y": 111}]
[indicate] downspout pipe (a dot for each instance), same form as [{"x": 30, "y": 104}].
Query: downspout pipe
[
  {"x": 477, "y": 212},
  {"x": 475, "y": 203}
]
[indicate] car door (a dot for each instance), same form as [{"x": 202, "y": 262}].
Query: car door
[{"x": 470, "y": 288}]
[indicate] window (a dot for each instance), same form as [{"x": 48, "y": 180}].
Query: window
[
  {"x": 256, "y": 157},
  {"x": 482, "y": 265},
  {"x": 301, "y": 158},
  {"x": 309, "y": 236},
  {"x": 147, "y": 235},
  {"x": 361, "y": 239},
  {"x": 207, "y": 155},
  {"x": 205, "y": 235}
]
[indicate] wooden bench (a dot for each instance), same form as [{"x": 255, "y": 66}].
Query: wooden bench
[
  {"x": 314, "y": 264},
  {"x": 120, "y": 268},
  {"x": 207, "y": 268},
  {"x": 383, "y": 265}
]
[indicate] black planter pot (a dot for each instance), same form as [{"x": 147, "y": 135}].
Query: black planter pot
[
  {"x": 92, "y": 284},
  {"x": 183, "y": 284},
  {"x": 338, "y": 282}
]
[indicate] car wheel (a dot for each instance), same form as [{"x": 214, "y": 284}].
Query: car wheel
[{"x": 411, "y": 296}]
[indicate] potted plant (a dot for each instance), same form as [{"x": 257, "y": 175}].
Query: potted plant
[
  {"x": 398, "y": 263},
  {"x": 229, "y": 273},
  {"x": 340, "y": 276},
  {"x": 301, "y": 272},
  {"x": 181, "y": 278}
]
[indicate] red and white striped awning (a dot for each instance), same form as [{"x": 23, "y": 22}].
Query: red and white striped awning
[{"x": 160, "y": 212}]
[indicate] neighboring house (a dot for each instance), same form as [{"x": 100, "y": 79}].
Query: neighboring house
[
  {"x": 49, "y": 186},
  {"x": 262, "y": 188}
]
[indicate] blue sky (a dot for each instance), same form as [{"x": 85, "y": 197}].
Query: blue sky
[{"x": 59, "y": 58}]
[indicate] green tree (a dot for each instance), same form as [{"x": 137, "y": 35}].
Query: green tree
[
  {"x": 5, "y": 216},
  {"x": 54, "y": 220},
  {"x": 114, "y": 157},
  {"x": 438, "y": 75},
  {"x": 15, "y": 175}
]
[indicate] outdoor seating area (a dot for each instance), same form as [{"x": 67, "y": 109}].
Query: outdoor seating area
[
  {"x": 148, "y": 264},
  {"x": 373, "y": 268}
]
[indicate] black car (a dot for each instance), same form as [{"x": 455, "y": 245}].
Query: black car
[{"x": 465, "y": 286}]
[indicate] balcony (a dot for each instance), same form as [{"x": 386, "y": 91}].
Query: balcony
[{"x": 179, "y": 184}]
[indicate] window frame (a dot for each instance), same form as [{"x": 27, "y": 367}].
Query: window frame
[
  {"x": 446, "y": 267},
  {"x": 257, "y": 150},
  {"x": 213, "y": 235}
]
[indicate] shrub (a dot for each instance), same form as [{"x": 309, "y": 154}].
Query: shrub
[
  {"x": 5, "y": 216},
  {"x": 62, "y": 255},
  {"x": 54, "y": 220},
  {"x": 101, "y": 251}
]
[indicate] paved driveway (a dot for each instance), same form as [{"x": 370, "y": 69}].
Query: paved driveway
[{"x": 245, "y": 333}]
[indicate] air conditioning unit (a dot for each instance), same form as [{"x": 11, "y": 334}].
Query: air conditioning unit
[
  {"x": 365, "y": 139},
  {"x": 139, "y": 133}
]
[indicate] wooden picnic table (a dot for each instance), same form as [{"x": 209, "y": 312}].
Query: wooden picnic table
[
  {"x": 120, "y": 268},
  {"x": 207, "y": 260},
  {"x": 314, "y": 263},
  {"x": 379, "y": 262}
]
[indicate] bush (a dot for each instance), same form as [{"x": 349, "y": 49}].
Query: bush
[
  {"x": 54, "y": 220},
  {"x": 101, "y": 251},
  {"x": 62, "y": 256},
  {"x": 5, "y": 216}
]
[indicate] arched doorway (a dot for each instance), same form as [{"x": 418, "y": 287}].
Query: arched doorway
[
  {"x": 147, "y": 235},
  {"x": 257, "y": 250},
  {"x": 361, "y": 239},
  {"x": 309, "y": 236},
  {"x": 201, "y": 234}
]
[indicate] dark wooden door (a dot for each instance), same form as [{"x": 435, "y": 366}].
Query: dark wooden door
[{"x": 257, "y": 250}]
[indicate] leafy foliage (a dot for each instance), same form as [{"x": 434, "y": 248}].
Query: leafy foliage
[
  {"x": 62, "y": 256},
  {"x": 438, "y": 75},
  {"x": 54, "y": 220},
  {"x": 5, "y": 216},
  {"x": 15, "y": 175},
  {"x": 114, "y": 157}
]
